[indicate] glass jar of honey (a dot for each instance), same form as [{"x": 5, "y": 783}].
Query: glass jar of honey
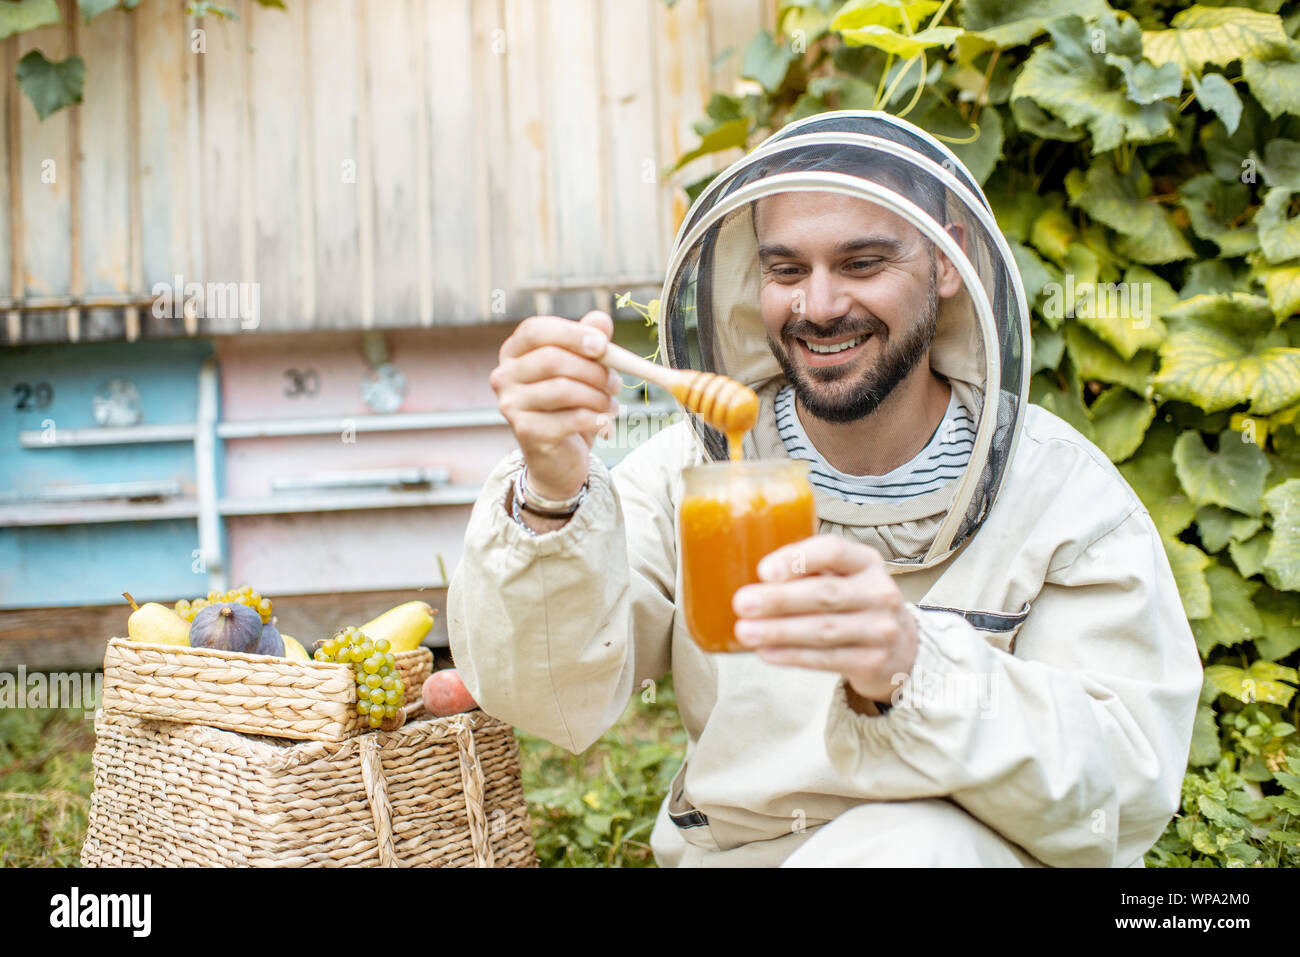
[{"x": 733, "y": 514}]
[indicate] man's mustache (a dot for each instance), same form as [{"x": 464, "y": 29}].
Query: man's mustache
[{"x": 847, "y": 326}]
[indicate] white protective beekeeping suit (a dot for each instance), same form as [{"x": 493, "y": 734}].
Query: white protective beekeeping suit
[{"x": 1049, "y": 712}]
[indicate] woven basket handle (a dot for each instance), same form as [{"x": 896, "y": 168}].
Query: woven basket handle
[
  {"x": 471, "y": 776},
  {"x": 372, "y": 776}
]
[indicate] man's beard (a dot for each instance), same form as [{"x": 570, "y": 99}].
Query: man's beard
[{"x": 864, "y": 396}]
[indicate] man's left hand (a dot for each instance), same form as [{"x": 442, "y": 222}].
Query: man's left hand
[{"x": 829, "y": 603}]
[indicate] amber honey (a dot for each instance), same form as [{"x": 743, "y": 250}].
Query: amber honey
[
  {"x": 732, "y": 515},
  {"x": 727, "y": 405}
]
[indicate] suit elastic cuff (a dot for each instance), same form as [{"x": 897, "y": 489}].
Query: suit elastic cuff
[
  {"x": 598, "y": 510},
  {"x": 866, "y": 733}
]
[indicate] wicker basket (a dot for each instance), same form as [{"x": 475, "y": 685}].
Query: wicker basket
[
  {"x": 442, "y": 792},
  {"x": 255, "y": 694}
]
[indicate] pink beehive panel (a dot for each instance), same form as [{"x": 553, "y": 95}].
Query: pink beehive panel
[
  {"x": 343, "y": 550},
  {"x": 277, "y": 376},
  {"x": 346, "y": 551},
  {"x": 468, "y": 455}
]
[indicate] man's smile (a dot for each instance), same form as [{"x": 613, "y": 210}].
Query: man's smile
[{"x": 830, "y": 352}]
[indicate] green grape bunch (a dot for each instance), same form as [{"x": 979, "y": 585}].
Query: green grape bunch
[
  {"x": 243, "y": 596},
  {"x": 379, "y": 687}
]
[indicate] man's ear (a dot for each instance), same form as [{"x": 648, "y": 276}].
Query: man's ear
[{"x": 949, "y": 279}]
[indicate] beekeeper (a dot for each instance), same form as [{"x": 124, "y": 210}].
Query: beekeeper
[{"x": 981, "y": 659}]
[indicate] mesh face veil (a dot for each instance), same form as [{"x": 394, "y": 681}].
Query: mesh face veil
[{"x": 868, "y": 176}]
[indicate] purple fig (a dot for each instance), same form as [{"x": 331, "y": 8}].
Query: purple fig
[
  {"x": 270, "y": 643},
  {"x": 227, "y": 626}
]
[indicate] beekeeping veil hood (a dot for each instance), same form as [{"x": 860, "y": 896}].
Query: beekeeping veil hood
[{"x": 710, "y": 316}]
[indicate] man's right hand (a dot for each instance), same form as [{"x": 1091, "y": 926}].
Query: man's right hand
[{"x": 556, "y": 396}]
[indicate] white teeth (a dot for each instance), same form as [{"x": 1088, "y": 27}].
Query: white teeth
[{"x": 830, "y": 350}]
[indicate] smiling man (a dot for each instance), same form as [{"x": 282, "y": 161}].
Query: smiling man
[
  {"x": 849, "y": 294},
  {"x": 980, "y": 659},
  {"x": 851, "y": 321}
]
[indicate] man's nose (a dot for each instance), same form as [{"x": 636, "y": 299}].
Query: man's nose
[{"x": 824, "y": 296}]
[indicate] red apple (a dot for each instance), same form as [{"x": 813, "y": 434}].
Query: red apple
[{"x": 444, "y": 694}]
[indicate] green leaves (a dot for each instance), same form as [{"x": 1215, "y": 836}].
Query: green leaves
[
  {"x": 1205, "y": 738},
  {"x": 1122, "y": 201},
  {"x": 1219, "y": 35},
  {"x": 810, "y": 17},
  {"x": 1218, "y": 213},
  {"x": 1188, "y": 564},
  {"x": 1124, "y": 315},
  {"x": 1049, "y": 346},
  {"x": 1053, "y": 234},
  {"x": 202, "y": 8},
  {"x": 1218, "y": 526},
  {"x": 1144, "y": 165},
  {"x": 51, "y": 86},
  {"x": 1275, "y": 82},
  {"x": 1249, "y": 555},
  {"x": 1279, "y": 226},
  {"x": 1233, "y": 618},
  {"x": 1146, "y": 83},
  {"x": 853, "y": 94},
  {"x": 1232, "y": 477},
  {"x": 722, "y": 109},
  {"x": 1034, "y": 273},
  {"x": 1119, "y": 422},
  {"x": 1281, "y": 165},
  {"x": 1217, "y": 95},
  {"x": 979, "y": 147},
  {"x": 597, "y": 809},
  {"x": 890, "y": 14},
  {"x": 1262, "y": 681},
  {"x": 1216, "y": 356},
  {"x": 1074, "y": 78},
  {"x": 1281, "y": 564},
  {"x": 1279, "y": 229},
  {"x": 93, "y": 8},
  {"x": 1151, "y": 474},
  {"x": 26, "y": 15},
  {"x": 1219, "y": 814},
  {"x": 1096, "y": 360},
  {"x": 767, "y": 61},
  {"x": 727, "y": 136},
  {"x": 1280, "y": 613},
  {"x": 1006, "y": 23},
  {"x": 1282, "y": 284},
  {"x": 906, "y": 46}
]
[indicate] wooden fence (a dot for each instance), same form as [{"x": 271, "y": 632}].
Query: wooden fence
[{"x": 360, "y": 163}]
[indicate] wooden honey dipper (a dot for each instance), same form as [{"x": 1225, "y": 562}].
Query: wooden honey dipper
[{"x": 724, "y": 403}]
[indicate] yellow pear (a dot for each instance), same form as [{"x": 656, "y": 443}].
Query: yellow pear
[
  {"x": 293, "y": 648},
  {"x": 404, "y": 626},
  {"x": 156, "y": 623}
]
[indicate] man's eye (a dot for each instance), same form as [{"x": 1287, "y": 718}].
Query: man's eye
[
  {"x": 786, "y": 271},
  {"x": 860, "y": 264}
]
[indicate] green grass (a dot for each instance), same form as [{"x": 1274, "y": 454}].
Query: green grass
[
  {"x": 590, "y": 810},
  {"x": 45, "y": 784},
  {"x": 596, "y": 809}
]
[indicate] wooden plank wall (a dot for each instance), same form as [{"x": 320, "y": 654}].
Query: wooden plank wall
[{"x": 366, "y": 163}]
